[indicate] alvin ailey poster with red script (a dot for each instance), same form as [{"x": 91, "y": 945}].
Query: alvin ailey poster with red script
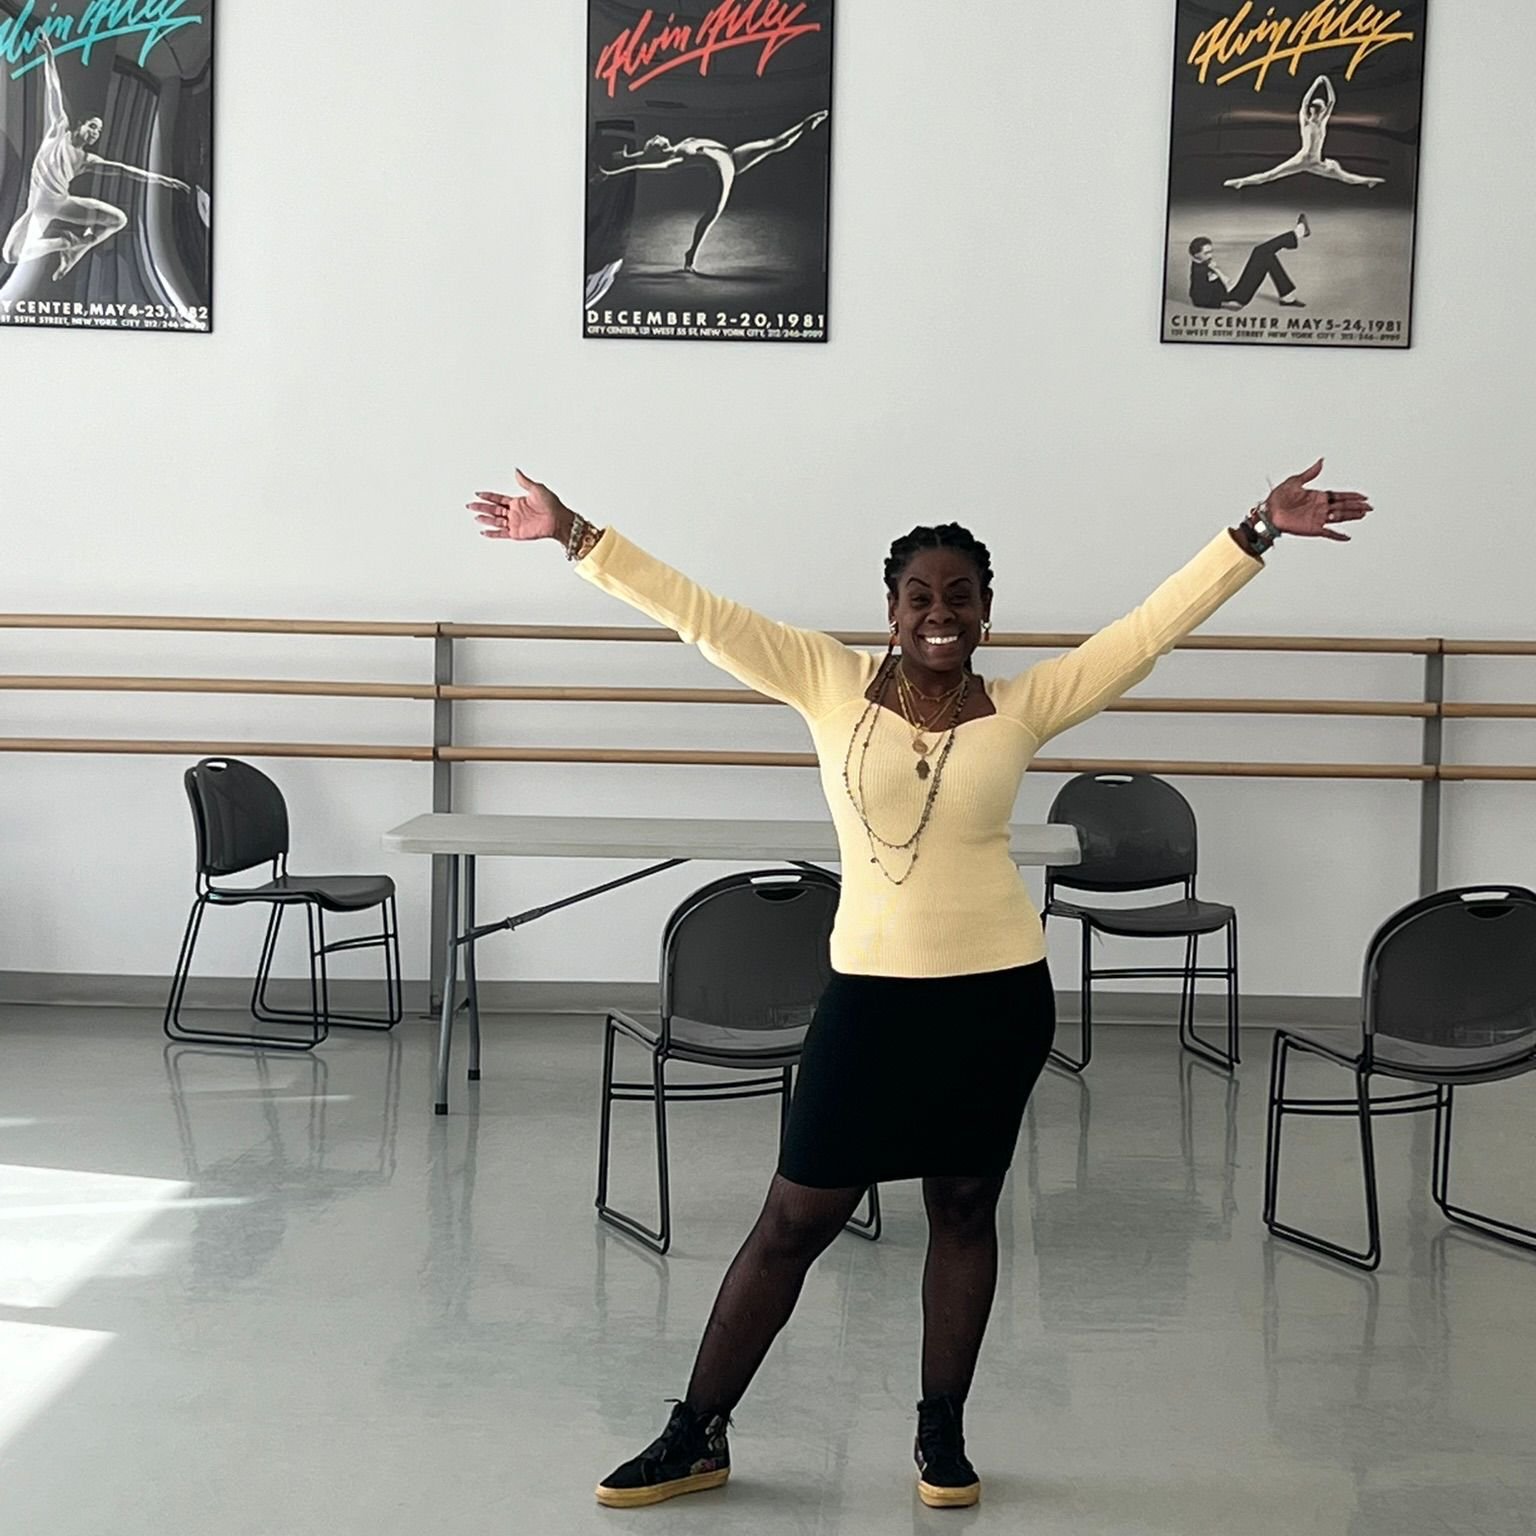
[
  {"x": 1293, "y": 173},
  {"x": 106, "y": 174},
  {"x": 709, "y": 134}
]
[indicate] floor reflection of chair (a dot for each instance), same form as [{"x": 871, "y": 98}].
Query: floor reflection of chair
[
  {"x": 1112, "y": 1213},
  {"x": 448, "y": 1267},
  {"x": 320, "y": 1160},
  {"x": 1191, "y": 1067}
]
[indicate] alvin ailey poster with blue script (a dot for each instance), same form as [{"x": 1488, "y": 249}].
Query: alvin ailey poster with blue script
[
  {"x": 1293, "y": 174},
  {"x": 709, "y": 133},
  {"x": 106, "y": 187}
]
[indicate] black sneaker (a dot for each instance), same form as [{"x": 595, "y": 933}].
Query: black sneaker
[
  {"x": 691, "y": 1455},
  {"x": 945, "y": 1478}
]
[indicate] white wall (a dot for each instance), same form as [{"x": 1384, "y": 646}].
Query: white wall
[{"x": 398, "y": 226}]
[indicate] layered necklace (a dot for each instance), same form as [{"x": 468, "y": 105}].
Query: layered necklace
[
  {"x": 946, "y": 708},
  {"x": 925, "y": 723}
]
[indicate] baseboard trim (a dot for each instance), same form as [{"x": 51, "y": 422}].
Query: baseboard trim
[{"x": 229, "y": 993}]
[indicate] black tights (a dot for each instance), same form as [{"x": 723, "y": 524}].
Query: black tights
[{"x": 797, "y": 1224}]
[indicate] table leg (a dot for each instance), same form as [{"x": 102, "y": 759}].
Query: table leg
[
  {"x": 450, "y": 984},
  {"x": 471, "y": 981}
]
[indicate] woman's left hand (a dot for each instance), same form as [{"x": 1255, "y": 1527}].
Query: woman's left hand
[{"x": 1296, "y": 509}]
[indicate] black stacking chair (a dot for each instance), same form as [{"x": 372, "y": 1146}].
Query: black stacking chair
[
  {"x": 241, "y": 821},
  {"x": 743, "y": 963},
  {"x": 1449, "y": 999},
  {"x": 1138, "y": 834}
]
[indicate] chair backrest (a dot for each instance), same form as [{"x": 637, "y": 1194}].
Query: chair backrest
[
  {"x": 1136, "y": 831},
  {"x": 238, "y": 814},
  {"x": 750, "y": 951},
  {"x": 1450, "y": 984}
]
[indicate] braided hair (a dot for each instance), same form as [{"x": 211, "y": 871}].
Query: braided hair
[{"x": 945, "y": 536}]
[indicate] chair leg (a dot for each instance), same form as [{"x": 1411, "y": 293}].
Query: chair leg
[
  {"x": 317, "y": 1016},
  {"x": 1476, "y": 1221},
  {"x": 1060, "y": 1058},
  {"x": 388, "y": 940},
  {"x": 183, "y": 969},
  {"x": 319, "y": 977},
  {"x": 260, "y": 1009},
  {"x": 1189, "y": 1038},
  {"x": 659, "y": 1238},
  {"x": 1234, "y": 995},
  {"x": 471, "y": 975},
  {"x": 868, "y": 1227},
  {"x": 605, "y": 1114},
  {"x": 663, "y": 1170},
  {"x": 176, "y": 1030},
  {"x": 394, "y": 981},
  {"x": 1368, "y": 1258}
]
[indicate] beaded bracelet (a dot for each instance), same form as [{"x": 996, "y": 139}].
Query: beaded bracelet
[{"x": 583, "y": 538}]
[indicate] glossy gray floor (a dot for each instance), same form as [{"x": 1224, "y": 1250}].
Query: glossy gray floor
[{"x": 245, "y": 1296}]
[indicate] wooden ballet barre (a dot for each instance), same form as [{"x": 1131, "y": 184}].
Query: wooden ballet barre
[
  {"x": 239, "y": 685},
  {"x": 78, "y": 744},
  {"x": 135, "y": 621},
  {"x": 654, "y": 756},
  {"x": 1365, "y": 708},
  {"x": 690, "y": 757},
  {"x": 1005, "y": 639},
  {"x": 1489, "y": 711},
  {"x": 1464, "y": 773},
  {"x": 1407, "y": 772},
  {"x": 1490, "y": 647},
  {"x": 1403, "y": 709}
]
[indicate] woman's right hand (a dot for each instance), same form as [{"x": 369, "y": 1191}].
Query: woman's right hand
[{"x": 537, "y": 514}]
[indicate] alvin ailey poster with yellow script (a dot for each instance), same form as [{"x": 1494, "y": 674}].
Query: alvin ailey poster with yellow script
[{"x": 1293, "y": 173}]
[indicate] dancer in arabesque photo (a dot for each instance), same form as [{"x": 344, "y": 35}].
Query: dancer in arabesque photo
[{"x": 662, "y": 154}]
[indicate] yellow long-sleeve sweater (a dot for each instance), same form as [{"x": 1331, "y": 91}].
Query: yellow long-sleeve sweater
[{"x": 964, "y": 908}]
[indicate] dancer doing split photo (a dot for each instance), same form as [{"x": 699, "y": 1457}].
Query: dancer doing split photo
[{"x": 940, "y": 1012}]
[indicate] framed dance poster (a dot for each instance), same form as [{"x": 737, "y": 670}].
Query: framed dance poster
[
  {"x": 107, "y": 177},
  {"x": 1293, "y": 173},
  {"x": 708, "y": 170}
]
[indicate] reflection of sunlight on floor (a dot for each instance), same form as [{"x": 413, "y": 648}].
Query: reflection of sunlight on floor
[
  {"x": 59, "y": 1226},
  {"x": 12, "y": 1123},
  {"x": 36, "y": 1364}
]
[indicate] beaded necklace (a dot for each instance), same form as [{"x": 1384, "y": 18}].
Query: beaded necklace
[{"x": 853, "y": 781}]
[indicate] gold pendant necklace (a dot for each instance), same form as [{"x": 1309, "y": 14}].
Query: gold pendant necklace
[{"x": 910, "y": 708}]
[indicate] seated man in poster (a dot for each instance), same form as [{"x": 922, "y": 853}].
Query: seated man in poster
[{"x": 1208, "y": 285}]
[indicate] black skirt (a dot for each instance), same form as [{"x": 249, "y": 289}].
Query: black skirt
[{"x": 906, "y": 1078}]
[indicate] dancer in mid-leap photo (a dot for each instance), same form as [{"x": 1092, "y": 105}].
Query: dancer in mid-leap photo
[
  {"x": 63, "y": 155},
  {"x": 1316, "y": 113},
  {"x": 661, "y": 154}
]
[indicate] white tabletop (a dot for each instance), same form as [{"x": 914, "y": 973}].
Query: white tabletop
[{"x": 660, "y": 837}]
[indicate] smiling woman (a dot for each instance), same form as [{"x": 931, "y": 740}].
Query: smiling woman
[{"x": 937, "y": 952}]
